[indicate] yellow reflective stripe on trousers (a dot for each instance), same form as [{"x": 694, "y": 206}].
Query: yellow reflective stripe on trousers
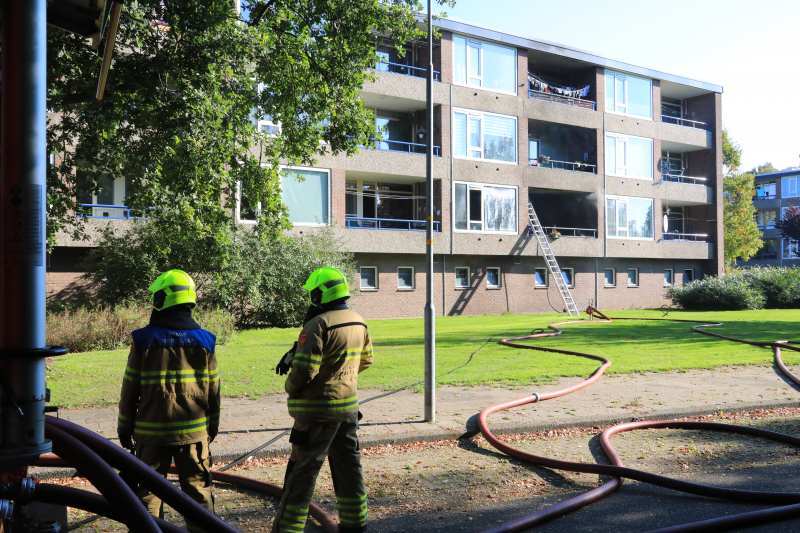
[
  {"x": 299, "y": 404},
  {"x": 292, "y": 520},
  {"x": 352, "y": 510},
  {"x": 124, "y": 421},
  {"x": 171, "y": 428},
  {"x": 131, "y": 374}
]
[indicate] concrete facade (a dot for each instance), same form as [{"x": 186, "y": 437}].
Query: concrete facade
[{"x": 516, "y": 253}]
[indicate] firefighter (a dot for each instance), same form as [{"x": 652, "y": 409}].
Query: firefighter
[
  {"x": 333, "y": 348},
  {"x": 170, "y": 401}
]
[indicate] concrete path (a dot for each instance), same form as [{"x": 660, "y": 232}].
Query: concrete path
[{"x": 246, "y": 424}]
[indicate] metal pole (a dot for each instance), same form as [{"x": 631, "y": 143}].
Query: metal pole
[
  {"x": 23, "y": 156},
  {"x": 430, "y": 312}
]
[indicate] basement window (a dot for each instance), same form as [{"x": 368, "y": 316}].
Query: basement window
[
  {"x": 688, "y": 276},
  {"x": 541, "y": 277},
  {"x": 668, "y": 277},
  {"x": 569, "y": 276},
  {"x": 462, "y": 278},
  {"x": 405, "y": 278},
  {"x": 610, "y": 277},
  {"x": 369, "y": 278},
  {"x": 493, "y": 277},
  {"x": 633, "y": 277}
]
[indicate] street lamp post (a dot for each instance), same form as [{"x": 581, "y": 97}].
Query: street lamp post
[{"x": 430, "y": 316}]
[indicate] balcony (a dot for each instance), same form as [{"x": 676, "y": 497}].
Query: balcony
[
  {"x": 563, "y": 100},
  {"x": 556, "y": 232},
  {"x": 405, "y": 70},
  {"x": 110, "y": 212},
  {"x": 669, "y": 119},
  {"x": 675, "y": 178},
  {"x": 543, "y": 162},
  {"x": 388, "y": 223},
  {"x": 685, "y": 237},
  {"x": 566, "y": 214},
  {"x": 400, "y": 146},
  {"x": 765, "y": 197}
]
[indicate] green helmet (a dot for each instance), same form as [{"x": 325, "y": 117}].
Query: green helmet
[
  {"x": 173, "y": 287},
  {"x": 325, "y": 285}
]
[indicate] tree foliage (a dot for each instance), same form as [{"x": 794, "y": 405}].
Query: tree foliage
[
  {"x": 765, "y": 168},
  {"x": 789, "y": 223},
  {"x": 177, "y": 118},
  {"x": 731, "y": 152},
  {"x": 742, "y": 236}
]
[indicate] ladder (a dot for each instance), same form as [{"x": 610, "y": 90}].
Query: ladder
[{"x": 550, "y": 259}]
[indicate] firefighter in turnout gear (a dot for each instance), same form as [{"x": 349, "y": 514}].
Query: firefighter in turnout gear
[
  {"x": 333, "y": 348},
  {"x": 170, "y": 400}
]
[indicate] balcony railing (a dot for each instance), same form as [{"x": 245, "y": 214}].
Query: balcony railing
[
  {"x": 765, "y": 197},
  {"x": 667, "y": 119},
  {"x": 685, "y": 237},
  {"x": 571, "y": 232},
  {"x": 674, "y": 178},
  {"x": 558, "y": 99},
  {"x": 564, "y": 165},
  {"x": 389, "y": 223},
  {"x": 115, "y": 212},
  {"x": 404, "y": 70},
  {"x": 400, "y": 146}
]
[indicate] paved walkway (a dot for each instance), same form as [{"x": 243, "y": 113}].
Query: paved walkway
[{"x": 246, "y": 424}]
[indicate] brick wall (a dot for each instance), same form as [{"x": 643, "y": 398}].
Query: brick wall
[
  {"x": 657, "y": 100},
  {"x": 338, "y": 209},
  {"x": 445, "y": 57}
]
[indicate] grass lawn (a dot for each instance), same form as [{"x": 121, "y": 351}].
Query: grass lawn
[{"x": 248, "y": 361}]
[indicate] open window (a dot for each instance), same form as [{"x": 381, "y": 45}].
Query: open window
[{"x": 485, "y": 208}]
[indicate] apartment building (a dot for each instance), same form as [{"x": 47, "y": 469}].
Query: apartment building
[
  {"x": 622, "y": 164},
  {"x": 774, "y": 193}
]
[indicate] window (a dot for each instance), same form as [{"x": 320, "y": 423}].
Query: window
[
  {"x": 791, "y": 249},
  {"x": 462, "y": 277},
  {"x": 307, "y": 200},
  {"x": 629, "y": 218},
  {"x": 568, "y": 275},
  {"x": 478, "y": 135},
  {"x": 672, "y": 163},
  {"x": 688, "y": 276},
  {"x": 394, "y": 130},
  {"x": 376, "y": 199},
  {"x": 766, "y": 189},
  {"x": 671, "y": 110},
  {"x": 493, "y": 277},
  {"x": 789, "y": 187},
  {"x": 486, "y": 65},
  {"x": 611, "y": 277},
  {"x": 674, "y": 220},
  {"x": 668, "y": 276},
  {"x": 369, "y": 278},
  {"x": 629, "y": 95},
  {"x": 768, "y": 250},
  {"x": 766, "y": 218},
  {"x": 405, "y": 277},
  {"x": 541, "y": 277},
  {"x": 633, "y": 277},
  {"x": 351, "y": 198},
  {"x": 629, "y": 156},
  {"x": 485, "y": 208}
]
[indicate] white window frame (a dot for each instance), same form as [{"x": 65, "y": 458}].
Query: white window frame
[
  {"x": 685, "y": 270},
  {"x": 267, "y": 120},
  {"x": 621, "y": 138},
  {"x": 361, "y": 279},
  {"x": 785, "y": 190},
  {"x": 469, "y": 277},
  {"x": 635, "y": 275},
  {"x": 571, "y": 276},
  {"x": 671, "y": 277},
  {"x": 413, "y": 279},
  {"x": 626, "y": 105},
  {"x": 330, "y": 200},
  {"x": 794, "y": 244},
  {"x": 479, "y": 46},
  {"x": 239, "y": 206},
  {"x": 625, "y": 199},
  {"x": 546, "y": 278},
  {"x": 474, "y": 185},
  {"x": 499, "y": 280},
  {"x": 761, "y": 218},
  {"x": 472, "y": 114},
  {"x": 613, "y": 277}
]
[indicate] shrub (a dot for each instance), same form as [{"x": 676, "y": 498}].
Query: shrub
[
  {"x": 725, "y": 293},
  {"x": 109, "y": 328},
  {"x": 780, "y": 286}
]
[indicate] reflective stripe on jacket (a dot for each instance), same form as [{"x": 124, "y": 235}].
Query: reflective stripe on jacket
[
  {"x": 333, "y": 348},
  {"x": 170, "y": 389}
]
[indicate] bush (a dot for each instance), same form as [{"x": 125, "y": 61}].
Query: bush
[
  {"x": 109, "y": 328},
  {"x": 755, "y": 288}
]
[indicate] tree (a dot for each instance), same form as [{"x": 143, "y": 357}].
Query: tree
[
  {"x": 176, "y": 120},
  {"x": 789, "y": 223},
  {"x": 741, "y": 234},
  {"x": 731, "y": 153},
  {"x": 764, "y": 169}
]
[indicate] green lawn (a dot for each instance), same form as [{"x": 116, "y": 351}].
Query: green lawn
[{"x": 248, "y": 360}]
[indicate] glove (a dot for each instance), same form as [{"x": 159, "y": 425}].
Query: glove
[
  {"x": 126, "y": 442},
  {"x": 285, "y": 364}
]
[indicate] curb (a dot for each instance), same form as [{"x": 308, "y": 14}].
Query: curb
[{"x": 507, "y": 429}]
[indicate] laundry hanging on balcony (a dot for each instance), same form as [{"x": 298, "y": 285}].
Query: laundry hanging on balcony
[{"x": 537, "y": 84}]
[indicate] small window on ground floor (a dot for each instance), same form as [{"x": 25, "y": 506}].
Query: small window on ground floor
[
  {"x": 541, "y": 277},
  {"x": 569, "y": 276},
  {"x": 462, "y": 277},
  {"x": 405, "y": 277},
  {"x": 688, "y": 276},
  {"x": 493, "y": 277},
  {"x": 668, "y": 275},
  {"x": 611, "y": 277},
  {"x": 369, "y": 278},
  {"x": 633, "y": 277}
]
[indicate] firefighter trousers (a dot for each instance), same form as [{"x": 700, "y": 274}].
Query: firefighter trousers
[
  {"x": 194, "y": 472},
  {"x": 311, "y": 443}
]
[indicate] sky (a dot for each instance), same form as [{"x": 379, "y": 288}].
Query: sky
[{"x": 751, "y": 48}]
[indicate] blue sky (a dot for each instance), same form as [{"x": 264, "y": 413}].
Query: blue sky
[{"x": 750, "y": 48}]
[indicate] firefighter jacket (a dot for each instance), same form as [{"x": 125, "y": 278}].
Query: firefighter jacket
[
  {"x": 170, "y": 390},
  {"x": 333, "y": 348}
]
